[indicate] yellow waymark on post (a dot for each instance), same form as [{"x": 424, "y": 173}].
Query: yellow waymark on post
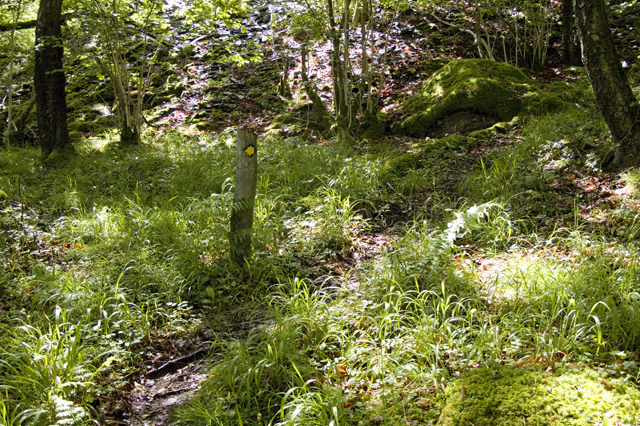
[{"x": 250, "y": 150}]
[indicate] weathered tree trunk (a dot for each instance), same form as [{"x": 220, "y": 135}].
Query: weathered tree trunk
[
  {"x": 244, "y": 196},
  {"x": 49, "y": 80},
  {"x": 569, "y": 52},
  {"x": 613, "y": 94},
  {"x": 12, "y": 45}
]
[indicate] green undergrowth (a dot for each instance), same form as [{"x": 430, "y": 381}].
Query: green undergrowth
[
  {"x": 490, "y": 318},
  {"x": 399, "y": 346},
  {"x": 548, "y": 146},
  {"x": 109, "y": 256},
  {"x": 128, "y": 245}
]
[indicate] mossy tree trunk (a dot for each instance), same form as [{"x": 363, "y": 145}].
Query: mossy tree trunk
[
  {"x": 49, "y": 80},
  {"x": 129, "y": 135},
  {"x": 613, "y": 94}
]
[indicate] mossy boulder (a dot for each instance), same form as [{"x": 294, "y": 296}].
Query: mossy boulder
[
  {"x": 75, "y": 103},
  {"x": 465, "y": 95},
  {"x": 400, "y": 165},
  {"x": 447, "y": 143},
  {"x": 75, "y": 136},
  {"x": 158, "y": 100},
  {"x": 82, "y": 126},
  {"x": 513, "y": 396}
]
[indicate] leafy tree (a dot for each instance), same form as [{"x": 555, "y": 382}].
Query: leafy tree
[
  {"x": 123, "y": 29},
  {"x": 355, "y": 96}
]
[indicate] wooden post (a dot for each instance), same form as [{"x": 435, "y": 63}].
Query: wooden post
[{"x": 244, "y": 196}]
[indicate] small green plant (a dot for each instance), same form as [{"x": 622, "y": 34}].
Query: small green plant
[
  {"x": 50, "y": 375},
  {"x": 327, "y": 227}
]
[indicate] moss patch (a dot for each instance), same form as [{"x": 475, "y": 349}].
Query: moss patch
[
  {"x": 501, "y": 127},
  {"x": 416, "y": 158},
  {"x": 372, "y": 126},
  {"x": 509, "y": 396},
  {"x": 477, "y": 86},
  {"x": 540, "y": 103}
]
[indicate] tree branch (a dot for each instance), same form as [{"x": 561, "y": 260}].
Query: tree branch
[{"x": 29, "y": 24}]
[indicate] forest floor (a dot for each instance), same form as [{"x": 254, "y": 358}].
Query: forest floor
[
  {"x": 152, "y": 400},
  {"x": 372, "y": 299}
]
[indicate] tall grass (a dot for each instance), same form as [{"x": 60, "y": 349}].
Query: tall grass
[
  {"x": 104, "y": 253},
  {"x": 420, "y": 319}
]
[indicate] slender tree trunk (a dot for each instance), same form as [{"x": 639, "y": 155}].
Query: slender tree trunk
[
  {"x": 336, "y": 74},
  {"x": 319, "y": 109},
  {"x": 569, "y": 53},
  {"x": 12, "y": 45},
  {"x": 613, "y": 94},
  {"x": 49, "y": 80}
]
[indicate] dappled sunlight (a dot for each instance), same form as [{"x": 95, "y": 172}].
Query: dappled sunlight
[
  {"x": 517, "y": 277},
  {"x": 443, "y": 245}
]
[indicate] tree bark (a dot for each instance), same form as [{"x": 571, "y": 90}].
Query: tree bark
[
  {"x": 613, "y": 94},
  {"x": 244, "y": 196},
  {"x": 569, "y": 51},
  {"x": 49, "y": 80}
]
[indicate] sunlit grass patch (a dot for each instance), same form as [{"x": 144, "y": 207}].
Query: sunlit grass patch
[
  {"x": 631, "y": 180},
  {"x": 518, "y": 277}
]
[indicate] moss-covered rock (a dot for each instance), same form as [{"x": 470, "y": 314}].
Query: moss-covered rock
[
  {"x": 487, "y": 133},
  {"x": 75, "y": 136},
  {"x": 75, "y": 103},
  {"x": 400, "y": 165},
  {"x": 479, "y": 91},
  {"x": 510, "y": 396},
  {"x": 207, "y": 125},
  {"x": 82, "y": 126}
]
